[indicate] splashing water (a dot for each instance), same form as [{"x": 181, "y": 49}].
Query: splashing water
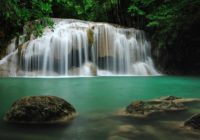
[{"x": 80, "y": 48}]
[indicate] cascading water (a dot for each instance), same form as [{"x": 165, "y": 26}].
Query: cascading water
[{"x": 79, "y": 48}]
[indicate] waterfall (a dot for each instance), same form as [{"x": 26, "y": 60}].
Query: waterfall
[{"x": 80, "y": 48}]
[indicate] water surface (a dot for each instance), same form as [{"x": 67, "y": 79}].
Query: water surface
[{"x": 96, "y": 99}]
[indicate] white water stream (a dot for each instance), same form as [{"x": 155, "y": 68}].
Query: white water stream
[{"x": 80, "y": 48}]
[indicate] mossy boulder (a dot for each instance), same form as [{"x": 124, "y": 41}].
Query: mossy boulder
[
  {"x": 146, "y": 108},
  {"x": 143, "y": 109},
  {"x": 40, "y": 110}
]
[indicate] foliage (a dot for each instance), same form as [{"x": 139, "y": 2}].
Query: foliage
[
  {"x": 81, "y": 9},
  {"x": 94, "y": 10},
  {"x": 165, "y": 18},
  {"x": 36, "y": 27},
  {"x": 16, "y": 13}
]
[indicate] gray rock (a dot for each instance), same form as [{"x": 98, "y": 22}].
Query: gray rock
[
  {"x": 146, "y": 108},
  {"x": 193, "y": 122},
  {"x": 40, "y": 110},
  {"x": 4, "y": 73}
]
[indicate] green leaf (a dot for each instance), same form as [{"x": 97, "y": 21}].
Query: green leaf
[{"x": 153, "y": 24}]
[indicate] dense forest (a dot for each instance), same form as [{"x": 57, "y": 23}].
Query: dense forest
[{"x": 171, "y": 25}]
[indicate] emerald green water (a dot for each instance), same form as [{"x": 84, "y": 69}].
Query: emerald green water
[{"x": 96, "y": 100}]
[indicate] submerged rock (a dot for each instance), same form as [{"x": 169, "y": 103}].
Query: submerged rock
[
  {"x": 40, "y": 110},
  {"x": 178, "y": 99},
  {"x": 193, "y": 122},
  {"x": 142, "y": 109}
]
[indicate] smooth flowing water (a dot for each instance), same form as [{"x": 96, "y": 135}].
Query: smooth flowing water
[
  {"x": 97, "y": 100},
  {"x": 80, "y": 48}
]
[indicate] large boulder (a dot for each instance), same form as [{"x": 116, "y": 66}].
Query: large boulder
[{"x": 40, "y": 110}]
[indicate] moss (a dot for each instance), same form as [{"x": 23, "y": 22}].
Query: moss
[
  {"x": 90, "y": 35},
  {"x": 39, "y": 109}
]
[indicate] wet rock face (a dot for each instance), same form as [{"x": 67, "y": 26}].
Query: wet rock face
[
  {"x": 39, "y": 110},
  {"x": 136, "y": 106},
  {"x": 90, "y": 69},
  {"x": 193, "y": 122},
  {"x": 146, "y": 108}
]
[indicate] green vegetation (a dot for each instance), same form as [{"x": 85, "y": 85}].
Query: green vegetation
[
  {"x": 161, "y": 16},
  {"x": 15, "y": 13},
  {"x": 167, "y": 18}
]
